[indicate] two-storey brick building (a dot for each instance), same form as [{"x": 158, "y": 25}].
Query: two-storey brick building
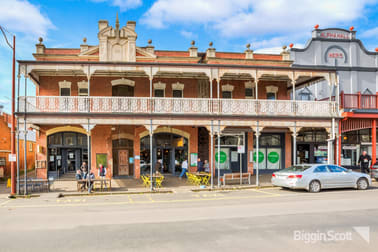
[{"x": 122, "y": 94}]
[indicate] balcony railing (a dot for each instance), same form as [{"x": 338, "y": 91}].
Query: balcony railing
[
  {"x": 358, "y": 101},
  {"x": 183, "y": 106}
]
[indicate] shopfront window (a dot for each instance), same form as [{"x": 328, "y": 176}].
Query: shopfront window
[{"x": 270, "y": 155}]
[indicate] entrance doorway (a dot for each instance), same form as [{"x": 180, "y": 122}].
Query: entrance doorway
[
  {"x": 123, "y": 162},
  {"x": 170, "y": 149},
  {"x": 65, "y": 152},
  {"x": 123, "y": 153}
]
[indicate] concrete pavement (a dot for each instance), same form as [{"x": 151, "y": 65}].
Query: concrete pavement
[{"x": 247, "y": 220}]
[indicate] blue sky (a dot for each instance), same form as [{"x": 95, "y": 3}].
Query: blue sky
[{"x": 172, "y": 24}]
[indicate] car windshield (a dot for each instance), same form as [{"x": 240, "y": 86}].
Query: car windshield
[{"x": 296, "y": 168}]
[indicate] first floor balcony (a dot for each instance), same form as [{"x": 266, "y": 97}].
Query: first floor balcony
[{"x": 176, "y": 106}]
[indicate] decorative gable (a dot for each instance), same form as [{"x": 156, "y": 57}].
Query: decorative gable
[{"x": 117, "y": 44}]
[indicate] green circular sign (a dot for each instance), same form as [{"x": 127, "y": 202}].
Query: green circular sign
[
  {"x": 273, "y": 157},
  {"x": 261, "y": 157},
  {"x": 223, "y": 157}
]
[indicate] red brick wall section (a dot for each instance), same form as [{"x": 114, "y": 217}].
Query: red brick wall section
[
  {"x": 5, "y": 147},
  {"x": 101, "y": 137},
  {"x": 137, "y": 131},
  {"x": 288, "y": 148}
]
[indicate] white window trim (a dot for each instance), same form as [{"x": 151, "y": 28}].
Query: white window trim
[
  {"x": 81, "y": 85},
  {"x": 64, "y": 84},
  {"x": 251, "y": 85},
  {"x": 272, "y": 89},
  {"x": 159, "y": 86},
  {"x": 123, "y": 81},
  {"x": 178, "y": 86}
]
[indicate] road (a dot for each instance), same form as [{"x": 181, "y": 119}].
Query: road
[{"x": 268, "y": 219}]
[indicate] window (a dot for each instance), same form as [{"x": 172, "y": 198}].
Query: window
[
  {"x": 2, "y": 161},
  {"x": 177, "y": 90},
  {"x": 226, "y": 94},
  {"x": 69, "y": 139},
  {"x": 159, "y": 89},
  {"x": 83, "y": 91},
  {"x": 65, "y": 92},
  {"x": 322, "y": 168},
  {"x": 271, "y": 96},
  {"x": 82, "y": 88},
  {"x": 159, "y": 92},
  {"x": 334, "y": 168},
  {"x": 177, "y": 93},
  {"x": 305, "y": 97},
  {"x": 271, "y": 92},
  {"x": 64, "y": 88},
  {"x": 249, "y": 89},
  {"x": 227, "y": 91},
  {"x": 30, "y": 147}
]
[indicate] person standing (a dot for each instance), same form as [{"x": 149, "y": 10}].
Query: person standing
[
  {"x": 102, "y": 173},
  {"x": 184, "y": 168},
  {"x": 364, "y": 162},
  {"x": 200, "y": 165},
  {"x": 206, "y": 166},
  {"x": 158, "y": 166},
  {"x": 84, "y": 169}
]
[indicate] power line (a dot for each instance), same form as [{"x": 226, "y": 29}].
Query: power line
[{"x": 5, "y": 36}]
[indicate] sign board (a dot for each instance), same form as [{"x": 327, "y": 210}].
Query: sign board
[
  {"x": 12, "y": 158},
  {"x": 241, "y": 148},
  {"x": 193, "y": 159},
  {"x": 137, "y": 157},
  {"x": 335, "y": 34},
  {"x": 234, "y": 156},
  {"x": 224, "y": 158}
]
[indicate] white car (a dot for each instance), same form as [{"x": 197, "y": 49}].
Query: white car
[{"x": 316, "y": 177}]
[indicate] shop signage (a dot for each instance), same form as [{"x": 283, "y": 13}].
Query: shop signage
[
  {"x": 223, "y": 157},
  {"x": 240, "y": 148},
  {"x": 346, "y": 147},
  {"x": 261, "y": 157},
  {"x": 273, "y": 157},
  {"x": 12, "y": 158},
  {"x": 332, "y": 34}
]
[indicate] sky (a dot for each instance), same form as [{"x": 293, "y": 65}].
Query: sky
[{"x": 172, "y": 24}]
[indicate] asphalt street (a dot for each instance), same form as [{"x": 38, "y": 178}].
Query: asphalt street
[{"x": 268, "y": 219}]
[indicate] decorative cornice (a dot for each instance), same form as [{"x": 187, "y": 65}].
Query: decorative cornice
[
  {"x": 228, "y": 87},
  {"x": 123, "y": 81},
  {"x": 177, "y": 86},
  {"x": 159, "y": 85}
]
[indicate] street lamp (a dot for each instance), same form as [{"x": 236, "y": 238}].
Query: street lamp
[{"x": 13, "y": 135}]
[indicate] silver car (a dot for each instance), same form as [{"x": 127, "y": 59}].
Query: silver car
[{"x": 315, "y": 177}]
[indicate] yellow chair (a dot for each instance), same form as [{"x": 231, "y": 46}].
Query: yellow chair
[
  {"x": 146, "y": 181},
  {"x": 159, "y": 181}
]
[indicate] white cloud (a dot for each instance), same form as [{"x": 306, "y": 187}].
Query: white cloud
[
  {"x": 188, "y": 34},
  {"x": 123, "y": 5},
  {"x": 371, "y": 33},
  {"x": 21, "y": 16},
  {"x": 256, "y": 18}
]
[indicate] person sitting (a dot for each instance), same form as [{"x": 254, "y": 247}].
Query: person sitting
[
  {"x": 200, "y": 165},
  {"x": 90, "y": 182},
  {"x": 78, "y": 175}
]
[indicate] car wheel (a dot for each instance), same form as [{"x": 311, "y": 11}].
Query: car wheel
[
  {"x": 314, "y": 186},
  {"x": 362, "y": 184}
]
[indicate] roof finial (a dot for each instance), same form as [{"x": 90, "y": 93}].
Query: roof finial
[{"x": 117, "y": 22}]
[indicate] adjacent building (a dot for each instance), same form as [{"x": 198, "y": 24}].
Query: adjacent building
[
  {"x": 126, "y": 106},
  {"x": 5, "y": 146},
  {"x": 357, "y": 71}
]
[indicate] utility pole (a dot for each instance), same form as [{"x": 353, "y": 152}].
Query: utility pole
[{"x": 13, "y": 133}]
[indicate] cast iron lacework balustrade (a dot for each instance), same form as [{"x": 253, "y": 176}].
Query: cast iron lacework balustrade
[{"x": 199, "y": 106}]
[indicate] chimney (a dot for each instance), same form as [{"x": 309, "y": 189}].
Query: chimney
[
  {"x": 131, "y": 25},
  {"x": 248, "y": 52},
  {"x": 102, "y": 24},
  {"x": 84, "y": 47},
  {"x": 1, "y": 109},
  {"x": 40, "y": 47},
  {"x": 193, "y": 51},
  {"x": 210, "y": 52},
  {"x": 150, "y": 48}
]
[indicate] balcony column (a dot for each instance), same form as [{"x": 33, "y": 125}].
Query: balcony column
[
  {"x": 212, "y": 153},
  {"x": 337, "y": 95},
  {"x": 219, "y": 129},
  {"x": 257, "y": 152},
  {"x": 18, "y": 132},
  {"x": 25, "y": 138},
  {"x": 338, "y": 143},
  {"x": 151, "y": 128},
  {"x": 374, "y": 141},
  {"x": 294, "y": 133}
]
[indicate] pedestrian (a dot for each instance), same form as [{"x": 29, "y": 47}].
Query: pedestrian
[
  {"x": 90, "y": 182},
  {"x": 102, "y": 173},
  {"x": 200, "y": 165},
  {"x": 206, "y": 166},
  {"x": 364, "y": 162},
  {"x": 184, "y": 168},
  {"x": 84, "y": 170},
  {"x": 157, "y": 167}
]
